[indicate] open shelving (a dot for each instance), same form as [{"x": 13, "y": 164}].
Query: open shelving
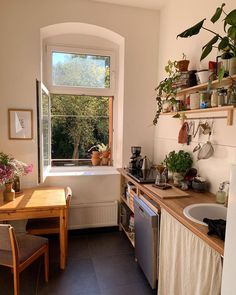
[
  {"x": 128, "y": 235},
  {"x": 214, "y": 84}
]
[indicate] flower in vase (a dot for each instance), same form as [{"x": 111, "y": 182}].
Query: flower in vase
[{"x": 11, "y": 168}]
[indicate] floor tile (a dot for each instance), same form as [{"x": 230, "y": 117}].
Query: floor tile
[{"x": 99, "y": 263}]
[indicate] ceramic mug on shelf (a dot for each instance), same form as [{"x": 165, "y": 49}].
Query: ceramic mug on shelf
[{"x": 194, "y": 101}]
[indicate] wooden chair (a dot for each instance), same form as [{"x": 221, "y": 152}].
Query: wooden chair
[
  {"x": 18, "y": 252},
  {"x": 44, "y": 226}
]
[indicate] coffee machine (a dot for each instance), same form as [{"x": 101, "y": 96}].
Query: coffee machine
[{"x": 136, "y": 160}]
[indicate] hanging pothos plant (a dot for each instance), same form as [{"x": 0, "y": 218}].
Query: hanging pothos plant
[{"x": 166, "y": 90}]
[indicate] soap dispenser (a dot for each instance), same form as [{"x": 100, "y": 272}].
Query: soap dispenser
[{"x": 221, "y": 195}]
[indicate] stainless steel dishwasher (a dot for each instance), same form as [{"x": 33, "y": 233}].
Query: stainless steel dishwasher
[{"x": 146, "y": 239}]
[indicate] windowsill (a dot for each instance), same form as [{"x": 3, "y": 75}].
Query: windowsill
[{"x": 82, "y": 171}]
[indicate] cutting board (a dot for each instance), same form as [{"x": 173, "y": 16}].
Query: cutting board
[{"x": 173, "y": 192}]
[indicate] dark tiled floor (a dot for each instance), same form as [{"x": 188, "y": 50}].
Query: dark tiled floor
[{"x": 99, "y": 263}]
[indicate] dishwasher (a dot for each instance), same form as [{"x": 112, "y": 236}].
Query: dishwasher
[{"x": 146, "y": 239}]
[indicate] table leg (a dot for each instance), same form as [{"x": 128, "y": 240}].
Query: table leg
[{"x": 62, "y": 239}]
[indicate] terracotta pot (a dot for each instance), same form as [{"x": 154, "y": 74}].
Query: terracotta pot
[
  {"x": 105, "y": 154},
  {"x": 95, "y": 154},
  {"x": 183, "y": 65},
  {"x": 105, "y": 161},
  {"x": 95, "y": 158},
  {"x": 9, "y": 193}
]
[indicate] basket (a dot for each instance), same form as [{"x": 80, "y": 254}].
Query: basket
[{"x": 183, "y": 65}]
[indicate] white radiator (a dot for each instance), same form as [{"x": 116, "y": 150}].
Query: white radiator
[{"x": 93, "y": 215}]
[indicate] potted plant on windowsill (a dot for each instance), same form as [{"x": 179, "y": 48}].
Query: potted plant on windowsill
[
  {"x": 166, "y": 91},
  {"x": 178, "y": 163},
  {"x": 225, "y": 44},
  {"x": 104, "y": 152}
]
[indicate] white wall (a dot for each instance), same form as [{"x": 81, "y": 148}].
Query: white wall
[
  {"x": 20, "y": 64},
  {"x": 175, "y": 17}
]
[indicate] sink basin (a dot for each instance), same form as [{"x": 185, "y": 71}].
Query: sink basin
[{"x": 197, "y": 212}]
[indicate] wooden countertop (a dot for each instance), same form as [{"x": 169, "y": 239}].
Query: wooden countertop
[{"x": 175, "y": 207}]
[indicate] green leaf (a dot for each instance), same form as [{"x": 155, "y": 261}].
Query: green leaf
[
  {"x": 212, "y": 41},
  {"x": 217, "y": 14},
  {"x": 231, "y": 18},
  {"x": 221, "y": 73},
  {"x": 232, "y": 33},
  {"x": 194, "y": 30},
  {"x": 206, "y": 51},
  {"x": 223, "y": 43}
]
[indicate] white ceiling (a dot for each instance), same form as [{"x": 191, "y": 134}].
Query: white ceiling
[{"x": 148, "y": 4}]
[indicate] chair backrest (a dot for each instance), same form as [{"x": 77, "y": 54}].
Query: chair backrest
[
  {"x": 8, "y": 242},
  {"x": 5, "y": 240},
  {"x": 68, "y": 194}
]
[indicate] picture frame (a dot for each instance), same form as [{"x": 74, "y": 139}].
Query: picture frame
[{"x": 20, "y": 124}]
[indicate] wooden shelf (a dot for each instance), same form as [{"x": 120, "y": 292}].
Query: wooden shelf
[
  {"x": 214, "y": 84},
  {"x": 228, "y": 109},
  {"x": 128, "y": 205},
  {"x": 128, "y": 236}
]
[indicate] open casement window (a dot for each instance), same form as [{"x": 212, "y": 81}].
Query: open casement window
[
  {"x": 80, "y": 71},
  {"x": 44, "y": 131}
]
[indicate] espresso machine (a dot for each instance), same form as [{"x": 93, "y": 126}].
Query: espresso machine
[{"x": 135, "y": 162}]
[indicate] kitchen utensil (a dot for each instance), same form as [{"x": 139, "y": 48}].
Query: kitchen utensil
[
  {"x": 206, "y": 151},
  {"x": 197, "y": 147},
  {"x": 191, "y": 131},
  {"x": 183, "y": 133},
  {"x": 173, "y": 192},
  {"x": 205, "y": 128}
]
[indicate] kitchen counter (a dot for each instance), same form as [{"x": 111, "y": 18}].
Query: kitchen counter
[{"x": 175, "y": 207}]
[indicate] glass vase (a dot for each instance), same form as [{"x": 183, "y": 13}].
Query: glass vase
[{"x": 9, "y": 193}]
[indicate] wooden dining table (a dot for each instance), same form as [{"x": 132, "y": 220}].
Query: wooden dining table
[{"x": 39, "y": 202}]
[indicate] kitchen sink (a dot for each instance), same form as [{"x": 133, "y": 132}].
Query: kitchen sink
[{"x": 197, "y": 212}]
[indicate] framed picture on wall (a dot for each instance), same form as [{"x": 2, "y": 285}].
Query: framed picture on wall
[{"x": 20, "y": 124}]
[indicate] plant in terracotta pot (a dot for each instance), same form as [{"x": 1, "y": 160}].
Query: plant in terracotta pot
[
  {"x": 104, "y": 152},
  {"x": 95, "y": 158},
  {"x": 178, "y": 163},
  {"x": 183, "y": 63},
  {"x": 226, "y": 44},
  {"x": 166, "y": 90},
  {"x": 11, "y": 169}
]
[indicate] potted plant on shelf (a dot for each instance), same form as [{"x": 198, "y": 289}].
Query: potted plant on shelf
[
  {"x": 104, "y": 153},
  {"x": 178, "y": 163},
  {"x": 166, "y": 90},
  {"x": 225, "y": 44},
  {"x": 183, "y": 63},
  {"x": 10, "y": 171}
]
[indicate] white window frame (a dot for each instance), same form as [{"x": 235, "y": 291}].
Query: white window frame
[{"x": 76, "y": 90}]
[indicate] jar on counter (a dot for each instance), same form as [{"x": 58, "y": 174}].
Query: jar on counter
[
  {"x": 222, "y": 97},
  {"x": 232, "y": 94},
  {"x": 205, "y": 99},
  {"x": 214, "y": 98}
]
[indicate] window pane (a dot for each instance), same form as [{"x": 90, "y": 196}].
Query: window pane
[
  {"x": 45, "y": 129},
  {"x": 78, "y": 123},
  {"x": 80, "y": 70}
]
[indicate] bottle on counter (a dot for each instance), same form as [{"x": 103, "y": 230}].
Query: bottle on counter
[
  {"x": 214, "y": 98},
  {"x": 222, "y": 194}
]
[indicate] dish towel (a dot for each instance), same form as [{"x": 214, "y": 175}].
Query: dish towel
[{"x": 183, "y": 134}]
